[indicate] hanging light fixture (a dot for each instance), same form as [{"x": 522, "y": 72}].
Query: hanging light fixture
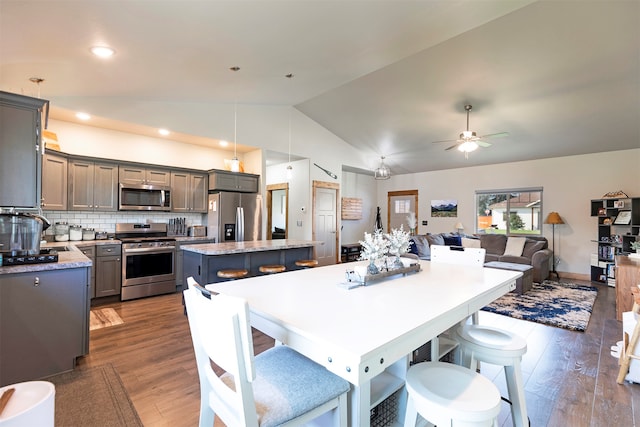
[
  {"x": 289, "y": 172},
  {"x": 382, "y": 172},
  {"x": 235, "y": 163}
]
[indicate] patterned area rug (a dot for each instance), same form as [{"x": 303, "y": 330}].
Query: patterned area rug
[
  {"x": 563, "y": 305},
  {"x": 103, "y": 317}
]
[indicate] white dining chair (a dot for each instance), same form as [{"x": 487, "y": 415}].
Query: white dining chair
[
  {"x": 278, "y": 387},
  {"x": 440, "y": 254}
]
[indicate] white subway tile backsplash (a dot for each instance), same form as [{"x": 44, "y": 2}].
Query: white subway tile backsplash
[{"x": 106, "y": 221}]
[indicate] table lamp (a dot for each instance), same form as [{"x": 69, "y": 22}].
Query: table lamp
[
  {"x": 554, "y": 219},
  {"x": 459, "y": 227}
]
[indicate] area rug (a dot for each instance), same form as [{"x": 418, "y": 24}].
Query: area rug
[
  {"x": 93, "y": 397},
  {"x": 103, "y": 317},
  {"x": 563, "y": 305}
]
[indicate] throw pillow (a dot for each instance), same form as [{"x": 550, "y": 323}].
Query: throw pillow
[
  {"x": 413, "y": 248},
  {"x": 422, "y": 246},
  {"x": 452, "y": 240},
  {"x": 470, "y": 243},
  {"x": 435, "y": 239},
  {"x": 515, "y": 245},
  {"x": 532, "y": 246}
]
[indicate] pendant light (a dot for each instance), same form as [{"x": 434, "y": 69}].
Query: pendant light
[
  {"x": 382, "y": 172},
  {"x": 235, "y": 163},
  {"x": 289, "y": 171}
]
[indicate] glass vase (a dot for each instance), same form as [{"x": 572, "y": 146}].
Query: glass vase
[
  {"x": 372, "y": 268},
  {"x": 397, "y": 263}
]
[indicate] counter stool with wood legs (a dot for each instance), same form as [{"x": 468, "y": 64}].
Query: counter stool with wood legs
[
  {"x": 478, "y": 343},
  {"x": 272, "y": 268},
  {"x": 445, "y": 394},
  {"x": 232, "y": 274},
  {"x": 307, "y": 263}
]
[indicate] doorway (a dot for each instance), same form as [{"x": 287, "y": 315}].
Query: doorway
[
  {"x": 399, "y": 205},
  {"x": 277, "y": 211},
  {"x": 325, "y": 221}
]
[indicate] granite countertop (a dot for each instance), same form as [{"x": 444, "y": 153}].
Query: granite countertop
[
  {"x": 188, "y": 239},
  {"x": 72, "y": 245},
  {"x": 250, "y": 246},
  {"x": 66, "y": 259}
]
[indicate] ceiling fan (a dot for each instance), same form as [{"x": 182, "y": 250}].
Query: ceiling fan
[{"x": 469, "y": 141}]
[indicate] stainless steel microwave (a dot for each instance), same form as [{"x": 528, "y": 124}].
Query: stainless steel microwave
[{"x": 142, "y": 197}]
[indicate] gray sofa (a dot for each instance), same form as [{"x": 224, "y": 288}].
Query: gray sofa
[{"x": 535, "y": 252}]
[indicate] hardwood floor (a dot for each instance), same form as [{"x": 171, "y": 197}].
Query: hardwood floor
[{"x": 570, "y": 377}]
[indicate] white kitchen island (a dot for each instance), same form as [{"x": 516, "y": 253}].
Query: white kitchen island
[{"x": 366, "y": 334}]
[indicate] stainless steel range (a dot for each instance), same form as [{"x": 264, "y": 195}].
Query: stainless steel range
[{"x": 148, "y": 260}]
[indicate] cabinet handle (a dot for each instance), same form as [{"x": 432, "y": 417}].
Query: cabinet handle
[{"x": 36, "y": 281}]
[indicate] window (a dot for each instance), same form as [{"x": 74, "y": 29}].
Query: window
[{"x": 511, "y": 212}]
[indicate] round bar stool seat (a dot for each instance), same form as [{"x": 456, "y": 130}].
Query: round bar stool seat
[
  {"x": 32, "y": 404},
  {"x": 478, "y": 343},
  {"x": 307, "y": 263},
  {"x": 272, "y": 268},
  {"x": 232, "y": 274},
  {"x": 448, "y": 395}
]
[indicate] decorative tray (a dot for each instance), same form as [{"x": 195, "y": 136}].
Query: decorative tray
[{"x": 354, "y": 279}]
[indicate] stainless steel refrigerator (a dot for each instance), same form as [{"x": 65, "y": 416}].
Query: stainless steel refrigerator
[{"x": 234, "y": 217}]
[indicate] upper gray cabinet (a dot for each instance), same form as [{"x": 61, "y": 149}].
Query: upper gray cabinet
[
  {"x": 93, "y": 186},
  {"x": 54, "y": 182},
  {"x": 147, "y": 176},
  {"x": 188, "y": 192},
  {"x": 20, "y": 154},
  {"x": 233, "y": 181}
]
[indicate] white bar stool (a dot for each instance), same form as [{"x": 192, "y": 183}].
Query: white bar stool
[
  {"x": 445, "y": 394},
  {"x": 478, "y": 343},
  {"x": 32, "y": 404}
]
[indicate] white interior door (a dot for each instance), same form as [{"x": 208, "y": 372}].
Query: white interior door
[{"x": 325, "y": 223}]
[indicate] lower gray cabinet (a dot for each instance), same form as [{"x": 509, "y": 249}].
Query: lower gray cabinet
[
  {"x": 44, "y": 323},
  {"x": 108, "y": 270},
  {"x": 90, "y": 252}
]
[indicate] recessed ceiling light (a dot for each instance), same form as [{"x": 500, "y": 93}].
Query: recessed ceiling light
[
  {"x": 163, "y": 132},
  {"x": 224, "y": 143},
  {"x": 83, "y": 116},
  {"x": 102, "y": 51}
]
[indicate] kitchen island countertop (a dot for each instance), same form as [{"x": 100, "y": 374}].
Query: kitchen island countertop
[{"x": 227, "y": 248}]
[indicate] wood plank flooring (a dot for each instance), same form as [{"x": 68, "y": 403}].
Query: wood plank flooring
[{"x": 570, "y": 377}]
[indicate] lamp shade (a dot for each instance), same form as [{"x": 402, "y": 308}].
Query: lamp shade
[
  {"x": 553, "y": 218},
  {"x": 459, "y": 226}
]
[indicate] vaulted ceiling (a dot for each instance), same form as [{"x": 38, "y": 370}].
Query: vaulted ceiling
[{"x": 388, "y": 77}]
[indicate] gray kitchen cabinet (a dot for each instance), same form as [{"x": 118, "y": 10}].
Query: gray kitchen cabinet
[
  {"x": 108, "y": 270},
  {"x": 140, "y": 175},
  {"x": 188, "y": 192},
  {"x": 180, "y": 279},
  {"x": 54, "y": 182},
  {"x": 44, "y": 323},
  {"x": 233, "y": 181},
  {"x": 90, "y": 252},
  {"x": 20, "y": 150},
  {"x": 93, "y": 186}
]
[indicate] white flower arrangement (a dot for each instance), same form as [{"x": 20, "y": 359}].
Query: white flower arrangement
[
  {"x": 399, "y": 241},
  {"x": 374, "y": 246},
  {"x": 412, "y": 221},
  {"x": 635, "y": 245}
]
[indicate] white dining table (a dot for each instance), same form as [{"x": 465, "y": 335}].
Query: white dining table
[{"x": 367, "y": 334}]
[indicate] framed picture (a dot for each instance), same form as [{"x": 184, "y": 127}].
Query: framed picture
[
  {"x": 602, "y": 211},
  {"x": 619, "y": 204},
  {"x": 623, "y": 218}
]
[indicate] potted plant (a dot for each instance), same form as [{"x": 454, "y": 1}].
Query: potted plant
[{"x": 636, "y": 246}]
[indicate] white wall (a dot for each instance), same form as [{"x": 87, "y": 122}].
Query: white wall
[
  {"x": 569, "y": 183},
  {"x": 363, "y": 187},
  {"x": 299, "y": 226}
]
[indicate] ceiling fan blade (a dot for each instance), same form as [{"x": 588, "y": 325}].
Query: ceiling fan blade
[
  {"x": 495, "y": 135},
  {"x": 483, "y": 143},
  {"x": 452, "y": 147},
  {"x": 444, "y": 140}
]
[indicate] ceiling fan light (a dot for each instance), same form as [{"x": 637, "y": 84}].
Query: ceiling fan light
[
  {"x": 468, "y": 146},
  {"x": 467, "y": 134},
  {"x": 382, "y": 171}
]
